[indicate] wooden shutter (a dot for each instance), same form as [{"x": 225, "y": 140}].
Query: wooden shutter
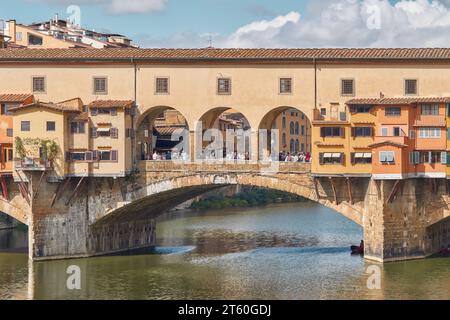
[
  {"x": 68, "y": 156},
  {"x": 114, "y": 156},
  {"x": 95, "y": 155},
  {"x": 114, "y": 133},
  {"x": 444, "y": 157},
  {"x": 342, "y": 132},
  {"x": 114, "y": 111},
  {"x": 321, "y": 158},
  {"x": 94, "y": 132},
  {"x": 353, "y": 158},
  {"x": 353, "y": 131},
  {"x": 322, "y": 132},
  {"x": 342, "y": 158}
]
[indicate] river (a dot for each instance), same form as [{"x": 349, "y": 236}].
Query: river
[{"x": 287, "y": 251}]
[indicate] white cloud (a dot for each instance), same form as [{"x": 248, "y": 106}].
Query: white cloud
[{"x": 350, "y": 23}]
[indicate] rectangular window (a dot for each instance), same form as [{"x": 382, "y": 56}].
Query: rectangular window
[
  {"x": 363, "y": 108},
  {"x": 100, "y": 85},
  {"x": 393, "y": 112},
  {"x": 412, "y": 134},
  {"x": 39, "y": 84},
  {"x": 448, "y": 110},
  {"x": 384, "y": 132},
  {"x": 25, "y": 126},
  {"x": 410, "y": 87},
  {"x": 34, "y": 40},
  {"x": 331, "y": 158},
  {"x": 224, "y": 86},
  {"x": 361, "y": 158},
  {"x": 387, "y": 157},
  {"x": 5, "y": 109},
  {"x": 9, "y": 132},
  {"x": 348, "y": 87},
  {"x": 162, "y": 86},
  {"x": 77, "y": 127},
  {"x": 285, "y": 85},
  {"x": 51, "y": 126},
  {"x": 111, "y": 155},
  {"x": 18, "y": 36},
  {"x": 103, "y": 132},
  {"x": 430, "y": 109},
  {"x": 332, "y": 132},
  {"x": 77, "y": 156},
  {"x": 429, "y": 133},
  {"x": 362, "y": 131},
  {"x": 397, "y": 132}
]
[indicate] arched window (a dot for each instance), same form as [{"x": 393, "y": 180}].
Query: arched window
[
  {"x": 292, "y": 147},
  {"x": 283, "y": 140},
  {"x": 297, "y": 128},
  {"x": 297, "y": 145},
  {"x": 284, "y": 123},
  {"x": 292, "y": 127}
]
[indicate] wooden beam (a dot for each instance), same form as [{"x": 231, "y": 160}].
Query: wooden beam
[
  {"x": 39, "y": 185},
  {"x": 24, "y": 192},
  {"x": 316, "y": 188},
  {"x": 75, "y": 190},
  {"x": 334, "y": 190},
  {"x": 66, "y": 183},
  {"x": 110, "y": 183},
  {"x": 4, "y": 185},
  {"x": 349, "y": 189},
  {"x": 55, "y": 194},
  {"x": 393, "y": 193}
]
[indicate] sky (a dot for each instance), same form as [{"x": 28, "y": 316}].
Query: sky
[{"x": 253, "y": 23}]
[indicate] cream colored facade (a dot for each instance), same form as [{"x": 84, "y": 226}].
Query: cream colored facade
[
  {"x": 255, "y": 86},
  {"x": 19, "y": 34}
]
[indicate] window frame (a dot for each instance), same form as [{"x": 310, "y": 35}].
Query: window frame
[
  {"x": 167, "y": 92},
  {"x": 47, "y": 126},
  {"x": 227, "y": 93},
  {"x": 353, "y": 87},
  {"x": 94, "y": 88},
  {"x": 291, "y": 85},
  {"x": 405, "y": 86},
  {"x": 44, "y": 78},
  {"x": 392, "y": 114},
  {"x": 22, "y": 123}
]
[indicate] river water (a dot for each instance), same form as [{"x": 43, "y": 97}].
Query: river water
[{"x": 286, "y": 251}]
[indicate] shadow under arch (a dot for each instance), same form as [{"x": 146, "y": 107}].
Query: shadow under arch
[
  {"x": 233, "y": 119},
  {"x": 174, "y": 129},
  {"x": 296, "y": 129},
  {"x": 153, "y": 200}
]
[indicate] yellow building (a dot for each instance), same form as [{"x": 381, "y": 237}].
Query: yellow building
[{"x": 294, "y": 131}]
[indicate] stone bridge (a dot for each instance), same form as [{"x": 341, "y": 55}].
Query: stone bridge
[{"x": 83, "y": 217}]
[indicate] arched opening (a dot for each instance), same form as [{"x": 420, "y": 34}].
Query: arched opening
[
  {"x": 223, "y": 133},
  {"x": 288, "y": 136},
  {"x": 13, "y": 235},
  {"x": 162, "y": 134}
]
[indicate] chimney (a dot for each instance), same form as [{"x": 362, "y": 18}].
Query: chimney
[{"x": 12, "y": 30}]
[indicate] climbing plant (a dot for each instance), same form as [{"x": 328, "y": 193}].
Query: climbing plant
[{"x": 21, "y": 153}]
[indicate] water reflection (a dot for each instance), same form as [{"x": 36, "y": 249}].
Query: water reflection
[{"x": 282, "y": 252}]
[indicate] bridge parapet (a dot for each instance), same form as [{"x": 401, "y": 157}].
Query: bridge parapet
[{"x": 228, "y": 167}]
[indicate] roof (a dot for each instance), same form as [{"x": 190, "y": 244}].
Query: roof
[
  {"x": 15, "y": 97},
  {"x": 389, "y": 143},
  {"x": 398, "y": 101},
  {"x": 111, "y": 103},
  {"x": 47, "y": 105},
  {"x": 225, "y": 54},
  {"x": 84, "y": 116}
]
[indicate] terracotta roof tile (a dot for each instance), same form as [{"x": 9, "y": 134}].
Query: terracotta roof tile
[
  {"x": 15, "y": 97},
  {"x": 111, "y": 104},
  {"x": 84, "y": 116},
  {"x": 224, "y": 54},
  {"x": 46, "y": 105},
  {"x": 389, "y": 143},
  {"x": 398, "y": 101}
]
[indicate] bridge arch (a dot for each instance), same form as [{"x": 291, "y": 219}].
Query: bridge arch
[
  {"x": 170, "y": 121},
  {"x": 294, "y": 129},
  {"x": 156, "y": 198}
]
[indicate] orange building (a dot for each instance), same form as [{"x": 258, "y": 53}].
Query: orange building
[
  {"x": 410, "y": 138},
  {"x": 8, "y": 101}
]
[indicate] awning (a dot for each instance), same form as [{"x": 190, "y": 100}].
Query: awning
[
  {"x": 328, "y": 155},
  {"x": 103, "y": 129},
  {"x": 368, "y": 155},
  {"x": 359, "y": 155},
  {"x": 336, "y": 155}
]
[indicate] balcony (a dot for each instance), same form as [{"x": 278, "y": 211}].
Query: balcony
[
  {"x": 325, "y": 115},
  {"x": 33, "y": 164},
  {"x": 401, "y": 140},
  {"x": 432, "y": 121}
]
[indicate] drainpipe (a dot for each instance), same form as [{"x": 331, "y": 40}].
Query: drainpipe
[
  {"x": 315, "y": 82},
  {"x": 133, "y": 115}
]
